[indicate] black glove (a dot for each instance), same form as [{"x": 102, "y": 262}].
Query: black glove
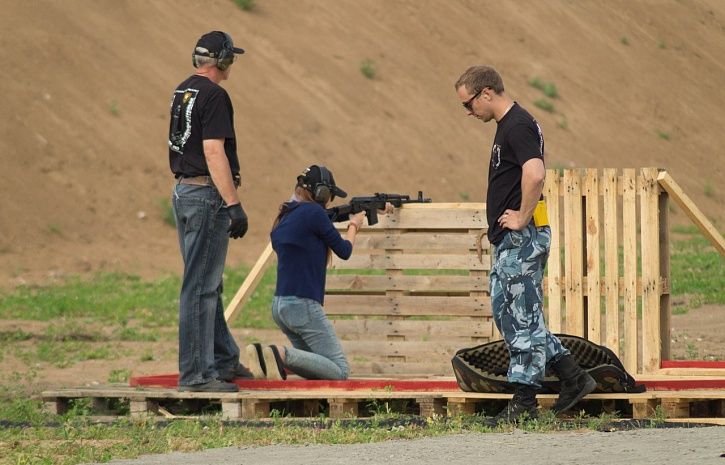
[{"x": 238, "y": 227}]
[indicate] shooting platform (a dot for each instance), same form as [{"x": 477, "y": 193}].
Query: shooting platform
[{"x": 416, "y": 290}]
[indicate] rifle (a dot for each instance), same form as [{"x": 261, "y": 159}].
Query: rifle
[{"x": 371, "y": 205}]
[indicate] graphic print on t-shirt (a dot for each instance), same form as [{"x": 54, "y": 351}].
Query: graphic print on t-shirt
[
  {"x": 495, "y": 156},
  {"x": 181, "y": 106}
]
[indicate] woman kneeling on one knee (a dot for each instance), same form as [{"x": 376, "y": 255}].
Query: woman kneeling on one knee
[{"x": 304, "y": 239}]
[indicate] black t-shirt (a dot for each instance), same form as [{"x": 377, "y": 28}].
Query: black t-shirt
[
  {"x": 518, "y": 140},
  {"x": 200, "y": 109}
]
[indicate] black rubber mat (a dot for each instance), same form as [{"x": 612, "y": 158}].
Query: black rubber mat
[{"x": 483, "y": 368}]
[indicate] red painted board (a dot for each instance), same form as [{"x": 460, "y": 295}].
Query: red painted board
[
  {"x": 170, "y": 381},
  {"x": 692, "y": 364}
]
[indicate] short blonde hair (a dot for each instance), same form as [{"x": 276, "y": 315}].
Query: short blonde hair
[{"x": 477, "y": 78}]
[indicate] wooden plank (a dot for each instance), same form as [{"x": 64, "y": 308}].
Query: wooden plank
[
  {"x": 611, "y": 260},
  {"x": 411, "y": 261},
  {"x": 642, "y": 409},
  {"x": 416, "y": 351},
  {"x": 649, "y": 227},
  {"x": 250, "y": 283},
  {"x": 553, "y": 268},
  {"x": 629, "y": 242},
  {"x": 692, "y": 212},
  {"x": 407, "y": 305},
  {"x": 415, "y": 330},
  {"x": 432, "y": 216},
  {"x": 352, "y": 283},
  {"x": 574, "y": 254},
  {"x": 438, "y": 242},
  {"x": 343, "y": 408},
  {"x": 391, "y": 369},
  {"x": 664, "y": 245},
  {"x": 431, "y": 407},
  {"x": 593, "y": 233},
  {"x": 232, "y": 410}
]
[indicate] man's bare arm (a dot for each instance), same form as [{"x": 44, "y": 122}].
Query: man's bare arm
[{"x": 221, "y": 174}]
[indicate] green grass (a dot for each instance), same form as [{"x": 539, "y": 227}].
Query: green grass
[
  {"x": 114, "y": 109},
  {"x": 662, "y": 134},
  {"x": 367, "y": 68},
  {"x": 624, "y": 40},
  {"x": 119, "y": 298},
  {"x": 709, "y": 190},
  {"x": 548, "y": 88},
  {"x": 167, "y": 212},
  {"x": 75, "y": 438},
  {"x": 545, "y": 105},
  {"x": 246, "y": 5},
  {"x": 696, "y": 270}
]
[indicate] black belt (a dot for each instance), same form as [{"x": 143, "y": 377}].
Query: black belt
[{"x": 206, "y": 180}]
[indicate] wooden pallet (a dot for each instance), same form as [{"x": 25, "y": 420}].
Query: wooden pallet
[{"x": 357, "y": 403}]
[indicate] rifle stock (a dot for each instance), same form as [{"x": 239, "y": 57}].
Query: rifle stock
[{"x": 370, "y": 205}]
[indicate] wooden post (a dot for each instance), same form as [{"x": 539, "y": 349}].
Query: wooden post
[
  {"x": 611, "y": 259},
  {"x": 591, "y": 190},
  {"x": 553, "y": 267},
  {"x": 341, "y": 408},
  {"x": 691, "y": 210},
  {"x": 664, "y": 245},
  {"x": 430, "y": 407},
  {"x": 255, "y": 408},
  {"x": 649, "y": 226},
  {"x": 458, "y": 406},
  {"x": 574, "y": 255},
  {"x": 140, "y": 407},
  {"x": 629, "y": 236},
  {"x": 250, "y": 283},
  {"x": 232, "y": 409}
]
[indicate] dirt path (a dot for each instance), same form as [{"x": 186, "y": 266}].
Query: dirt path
[{"x": 679, "y": 446}]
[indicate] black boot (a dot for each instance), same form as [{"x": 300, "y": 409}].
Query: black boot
[
  {"x": 575, "y": 383},
  {"x": 521, "y": 407}
]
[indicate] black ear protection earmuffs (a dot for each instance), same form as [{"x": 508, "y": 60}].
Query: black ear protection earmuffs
[
  {"x": 322, "y": 191},
  {"x": 224, "y": 57},
  {"x": 226, "y": 54}
]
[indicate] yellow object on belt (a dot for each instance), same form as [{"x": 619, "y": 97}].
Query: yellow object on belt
[{"x": 541, "y": 217}]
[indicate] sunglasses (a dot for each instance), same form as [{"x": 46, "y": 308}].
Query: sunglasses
[{"x": 468, "y": 104}]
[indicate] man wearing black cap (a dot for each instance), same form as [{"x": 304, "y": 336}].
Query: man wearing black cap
[{"x": 203, "y": 158}]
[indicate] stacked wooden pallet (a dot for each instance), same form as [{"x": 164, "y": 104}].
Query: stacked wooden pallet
[{"x": 342, "y": 403}]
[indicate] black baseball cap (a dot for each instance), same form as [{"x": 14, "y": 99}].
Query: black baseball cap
[
  {"x": 211, "y": 43},
  {"x": 315, "y": 175}
]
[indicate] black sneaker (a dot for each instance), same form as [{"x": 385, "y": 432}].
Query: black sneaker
[
  {"x": 214, "y": 385},
  {"x": 275, "y": 367},
  {"x": 240, "y": 371},
  {"x": 256, "y": 362}
]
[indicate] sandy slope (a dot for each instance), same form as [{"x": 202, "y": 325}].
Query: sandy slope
[{"x": 86, "y": 87}]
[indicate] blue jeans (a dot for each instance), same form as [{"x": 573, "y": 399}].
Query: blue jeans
[
  {"x": 316, "y": 352},
  {"x": 517, "y": 298},
  {"x": 205, "y": 343}
]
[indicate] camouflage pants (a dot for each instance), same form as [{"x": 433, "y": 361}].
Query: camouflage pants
[{"x": 517, "y": 298}]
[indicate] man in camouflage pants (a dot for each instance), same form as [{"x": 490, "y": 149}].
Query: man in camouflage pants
[{"x": 519, "y": 231}]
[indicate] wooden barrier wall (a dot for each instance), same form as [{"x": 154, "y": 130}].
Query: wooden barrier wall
[
  {"x": 414, "y": 291},
  {"x": 416, "y": 288},
  {"x": 608, "y": 272}
]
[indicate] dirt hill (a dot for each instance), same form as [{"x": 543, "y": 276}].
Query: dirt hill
[{"x": 86, "y": 89}]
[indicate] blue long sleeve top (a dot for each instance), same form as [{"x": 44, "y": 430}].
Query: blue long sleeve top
[{"x": 301, "y": 240}]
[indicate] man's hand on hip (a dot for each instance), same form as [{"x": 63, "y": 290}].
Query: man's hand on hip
[
  {"x": 512, "y": 219},
  {"x": 239, "y": 224}
]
